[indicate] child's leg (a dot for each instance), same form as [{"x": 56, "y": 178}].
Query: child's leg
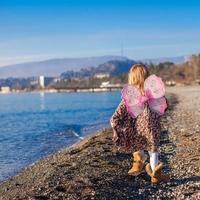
[
  {"x": 154, "y": 169},
  {"x": 138, "y": 163},
  {"x": 154, "y": 159}
]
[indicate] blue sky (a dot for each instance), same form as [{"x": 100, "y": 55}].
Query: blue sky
[{"x": 42, "y": 29}]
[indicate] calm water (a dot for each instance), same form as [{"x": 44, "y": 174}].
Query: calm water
[{"x": 34, "y": 125}]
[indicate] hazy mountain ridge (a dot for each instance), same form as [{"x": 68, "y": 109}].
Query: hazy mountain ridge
[
  {"x": 175, "y": 60},
  {"x": 53, "y": 67},
  {"x": 117, "y": 67}
]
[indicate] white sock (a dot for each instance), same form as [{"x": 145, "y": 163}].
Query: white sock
[{"x": 153, "y": 159}]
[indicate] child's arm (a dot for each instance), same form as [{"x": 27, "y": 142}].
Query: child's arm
[{"x": 116, "y": 121}]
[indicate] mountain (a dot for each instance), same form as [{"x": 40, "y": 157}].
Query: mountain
[
  {"x": 117, "y": 67},
  {"x": 53, "y": 67},
  {"x": 113, "y": 67},
  {"x": 175, "y": 60}
]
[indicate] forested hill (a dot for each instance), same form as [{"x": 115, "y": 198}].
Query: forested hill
[{"x": 114, "y": 68}]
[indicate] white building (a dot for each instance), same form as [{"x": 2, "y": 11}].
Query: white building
[
  {"x": 34, "y": 82},
  {"x": 41, "y": 82},
  {"x": 57, "y": 79},
  {"x": 107, "y": 84},
  {"x": 102, "y": 75},
  {"x": 5, "y": 89},
  {"x": 45, "y": 81}
]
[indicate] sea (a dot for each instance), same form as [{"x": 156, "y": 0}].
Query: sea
[{"x": 34, "y": 125}]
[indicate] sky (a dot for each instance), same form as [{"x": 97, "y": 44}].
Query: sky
[{"x": 32, "y": 30}]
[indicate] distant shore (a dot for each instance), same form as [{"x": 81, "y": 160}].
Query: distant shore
[
  {"x": 64, "y": 90},
  {"x": 95, "y": 89}
]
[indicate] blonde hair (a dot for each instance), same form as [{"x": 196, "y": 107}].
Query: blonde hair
[{"x": 137, "y": 75}]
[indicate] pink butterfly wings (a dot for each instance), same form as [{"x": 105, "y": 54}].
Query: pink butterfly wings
[
  {"x": 154, "y": 95},
  {"x": 132, "y": 97},
  {"x": 154, "y": 87}
]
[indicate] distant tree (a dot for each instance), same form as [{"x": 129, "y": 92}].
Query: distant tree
[{"x": 194, "y": 65}]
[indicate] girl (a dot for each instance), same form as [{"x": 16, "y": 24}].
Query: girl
[{"x": 140, "y": 133}]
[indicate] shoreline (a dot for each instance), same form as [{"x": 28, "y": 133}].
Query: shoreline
[
  {"x": 82, "y": 90},
  {"x": 68, "y": 148},
  {"x": 92, "y": 168},
  {"x": 91, "y": 90}
]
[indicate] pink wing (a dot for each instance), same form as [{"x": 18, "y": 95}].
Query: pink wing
[
  {"x": 132, "y": 98},
  {"x": 158, "y": 105},
  {"x": 155, "y": 91},
  {"x": 154, "y": 87}
]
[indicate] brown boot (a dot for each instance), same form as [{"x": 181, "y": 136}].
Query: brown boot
[
  {"x": 138, "y": 164},
  {"x": 156, "y": 175}
]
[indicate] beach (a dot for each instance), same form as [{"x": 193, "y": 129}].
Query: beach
[
  {"x": 34, "y": 125},
  {"x": 94, "y": 169}
]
